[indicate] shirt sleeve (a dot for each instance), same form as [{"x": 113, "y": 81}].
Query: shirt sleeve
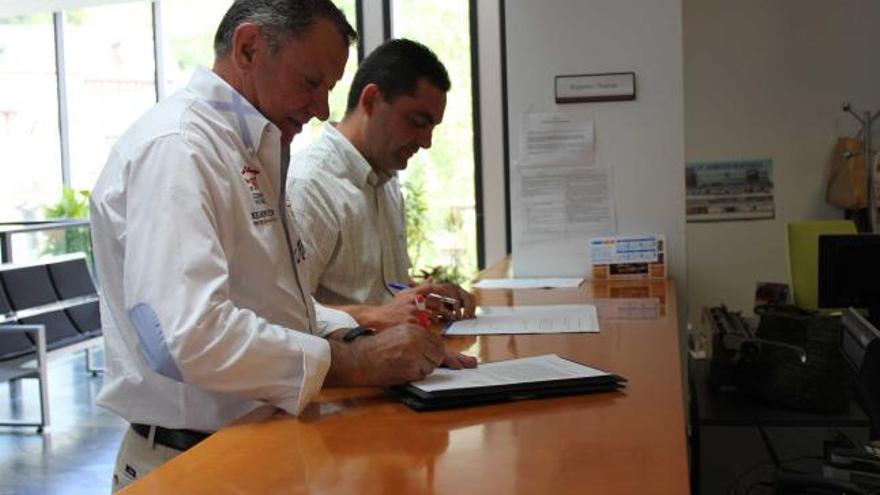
[
  {"x": 318, "y": 224},
  {"x": 181, "y": 225},
  {"x": 330, "y": 319}
]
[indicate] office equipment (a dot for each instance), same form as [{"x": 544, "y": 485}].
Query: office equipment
[
  {"x": 503, "y": 381},
  {"x": 363, "y": 441},
  {"x": 543, "y": 319},
  {"x": 803, "y": 256},
  {"x": 854, "y": 464},
  {"x": 726, "y": 442},
  {"x": 860, "y": 345},
  {"x": 849, "y": 272},
  {"x": 736, "y": 349}
]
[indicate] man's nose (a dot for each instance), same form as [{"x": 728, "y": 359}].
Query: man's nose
[
  {"x": 425, "y": 138},
  {"x": 320, "y": 106}
]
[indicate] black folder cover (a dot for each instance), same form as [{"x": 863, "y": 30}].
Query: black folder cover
[{"x": 421, "y": 400}]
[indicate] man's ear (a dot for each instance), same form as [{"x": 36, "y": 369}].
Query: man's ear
[
  {"x": 370, "y": 97},
  {"x": 247, "y": 42}
]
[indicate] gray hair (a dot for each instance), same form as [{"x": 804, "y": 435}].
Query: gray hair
[{"x": 279, "y": 19}]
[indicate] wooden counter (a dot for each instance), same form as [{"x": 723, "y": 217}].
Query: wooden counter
[{"x": 361, "y": 441}]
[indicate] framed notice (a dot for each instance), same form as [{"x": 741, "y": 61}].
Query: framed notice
[
  {"x": 613, "y": 86},
  {"x": 628, "y": 257}
]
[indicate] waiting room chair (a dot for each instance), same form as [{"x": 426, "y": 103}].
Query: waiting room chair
[{"x": 30, "y": 286}]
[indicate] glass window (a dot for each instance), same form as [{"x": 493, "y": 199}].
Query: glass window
[
  {"x": 439, "y": 182},
  {"x": 29, "y": 135},
  {"x": 110, "y": 80},
  {"x": 188, "y": 38}
]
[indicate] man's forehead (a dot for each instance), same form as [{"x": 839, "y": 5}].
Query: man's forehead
[
  {"x": 426, "y": 98},
  {"x": 321, "y": 48}
]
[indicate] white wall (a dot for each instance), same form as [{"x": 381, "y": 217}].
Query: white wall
[
  {"x": 641, "y": 140},
  {"x": 766, "y": 79}
]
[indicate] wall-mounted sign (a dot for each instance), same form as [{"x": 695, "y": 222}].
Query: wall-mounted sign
[{"x": 617, "y": 86}]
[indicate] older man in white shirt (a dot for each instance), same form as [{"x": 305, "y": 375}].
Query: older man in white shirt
[
  {"x": 346, "y": 197},
  {"x": 204, "y": 310}
]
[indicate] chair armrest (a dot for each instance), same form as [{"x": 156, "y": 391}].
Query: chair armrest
[{"x": 39, "y": 332}]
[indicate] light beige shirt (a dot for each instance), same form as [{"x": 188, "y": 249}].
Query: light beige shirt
[{"x": 352, "y": 220}]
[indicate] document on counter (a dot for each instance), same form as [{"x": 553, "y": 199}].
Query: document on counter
[
  {"x": 507, "y": 320},
  {"x": 517, "y": 379},
  {"x": 528, "y": 283},
  {"x": 524, "y": 370}
]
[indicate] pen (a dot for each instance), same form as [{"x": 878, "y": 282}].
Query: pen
[
  {"x": 397, "y": 286},
  {"x": 449, "y": 302}
]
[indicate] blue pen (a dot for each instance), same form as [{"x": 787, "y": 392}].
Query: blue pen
[{"x": 397, "y": 286}]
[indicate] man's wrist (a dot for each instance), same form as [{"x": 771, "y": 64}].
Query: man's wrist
[{"x": 358, "y": 331}]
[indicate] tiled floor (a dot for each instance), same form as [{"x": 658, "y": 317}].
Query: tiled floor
[{"x": 75, "y": 455}]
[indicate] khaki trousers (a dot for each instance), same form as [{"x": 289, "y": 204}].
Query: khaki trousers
[{"x": 137, "y": 457}]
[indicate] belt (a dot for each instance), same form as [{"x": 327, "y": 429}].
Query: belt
[{"x": 176, "y": 439}]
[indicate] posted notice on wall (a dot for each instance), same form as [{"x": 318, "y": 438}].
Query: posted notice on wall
[
  {"x": 729, "y": 190},
  {"x": 560, "y": 196}
]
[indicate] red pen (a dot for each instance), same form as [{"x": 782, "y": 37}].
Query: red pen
[{"x": 422, "y": 313}]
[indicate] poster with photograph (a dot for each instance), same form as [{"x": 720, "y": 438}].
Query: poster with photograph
[{"x": 729, "y": 190}]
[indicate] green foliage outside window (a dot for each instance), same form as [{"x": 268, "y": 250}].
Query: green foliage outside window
[{"x": 72, "y": 205}]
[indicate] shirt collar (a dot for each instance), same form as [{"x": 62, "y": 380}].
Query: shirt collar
[
  {"x": 357, "y": 167},
  {"x": 232, "y": 108}
]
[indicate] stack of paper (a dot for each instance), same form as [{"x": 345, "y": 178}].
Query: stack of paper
[
  {"x": 505, "y": 320},
  {"x": 516, "y": 379},
  {"x": 528, "y": 283}
]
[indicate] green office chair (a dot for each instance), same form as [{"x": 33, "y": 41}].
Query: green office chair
[{"x": 803, "y": 257}]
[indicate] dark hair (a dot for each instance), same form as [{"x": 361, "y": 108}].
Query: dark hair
[
  {"x": 396, "y": 67},
  {"x": 278, "y": 19}
]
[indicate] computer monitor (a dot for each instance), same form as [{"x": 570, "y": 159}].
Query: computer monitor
[{"x": 849, "y": 272}]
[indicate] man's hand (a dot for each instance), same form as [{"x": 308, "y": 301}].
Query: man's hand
[
  {"x": 400, "y": 354},
  {"x": 401, "y": 309},
  {"x": 464, "y": 307},
  {"x": 457, "y": 361}
]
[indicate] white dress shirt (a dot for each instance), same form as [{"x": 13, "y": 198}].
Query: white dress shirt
[
  {"x": 204, "y": 318},
  {"x": 351, "y": 218}
]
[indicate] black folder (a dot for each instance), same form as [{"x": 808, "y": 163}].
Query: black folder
[{"x": 422, "y": 400}]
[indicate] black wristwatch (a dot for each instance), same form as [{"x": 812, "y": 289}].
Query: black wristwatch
[{"x": 357, "y": 332}]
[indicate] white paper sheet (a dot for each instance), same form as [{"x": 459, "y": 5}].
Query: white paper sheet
[
  {"x": 525, "y": 370},
  {"x": 505, "y": 320},
  {"x": 560, "y": 196},
  {"x": 528, "y": 283}
]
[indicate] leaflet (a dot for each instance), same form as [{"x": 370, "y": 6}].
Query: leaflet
[{"x": 506, "y": 320}]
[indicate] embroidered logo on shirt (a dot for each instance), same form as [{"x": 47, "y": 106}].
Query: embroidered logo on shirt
[
  {"x": 249, "y": 174},
  {"x": 261, "y": 217}
]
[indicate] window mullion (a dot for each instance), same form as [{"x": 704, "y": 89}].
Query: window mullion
[
  {"x": 61, "y": 83},
  {"x": 158, "y": 57}
]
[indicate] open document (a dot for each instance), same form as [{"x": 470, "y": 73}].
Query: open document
[
  {"x": 516, "y": 379},
  {"x": 528, "y": 283},
  {"x": 505, "y": 320}
]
